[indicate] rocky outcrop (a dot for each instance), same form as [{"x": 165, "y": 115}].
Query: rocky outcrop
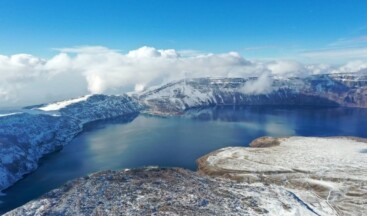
[
  {"x": 158, "y": 191},
  {"x": 329, "y": 174}
]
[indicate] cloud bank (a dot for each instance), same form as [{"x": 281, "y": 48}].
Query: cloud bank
[{"x": 26, "y": 79}]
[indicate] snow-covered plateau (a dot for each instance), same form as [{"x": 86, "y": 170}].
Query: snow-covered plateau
[{"x": 328, "y": 174}]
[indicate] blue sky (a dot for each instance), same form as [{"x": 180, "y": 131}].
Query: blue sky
[{"x": 254, "y": 28}]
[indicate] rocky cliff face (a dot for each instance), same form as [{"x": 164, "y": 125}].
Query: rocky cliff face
[
  {"x": 26, "y": 137},
  {"x": 320, "y": 90},
  {"x": 158, "y": 191}
]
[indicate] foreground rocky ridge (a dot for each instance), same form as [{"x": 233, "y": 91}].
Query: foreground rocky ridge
[
  {"x": 158, "y": 191},
  {"x": 329, "y": 174}
]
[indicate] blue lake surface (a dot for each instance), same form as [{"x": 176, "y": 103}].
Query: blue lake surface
[{"x": 176, "y": 141}]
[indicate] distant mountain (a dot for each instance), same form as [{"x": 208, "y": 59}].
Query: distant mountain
[{"x": 319, "y": 90}]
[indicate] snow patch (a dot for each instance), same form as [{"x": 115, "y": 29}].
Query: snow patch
[
  {"x": 63, "y": 104},
  {"x": 10, "y": 114}
]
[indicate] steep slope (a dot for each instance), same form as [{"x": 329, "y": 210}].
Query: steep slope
[{"x": 26, "y": 137}]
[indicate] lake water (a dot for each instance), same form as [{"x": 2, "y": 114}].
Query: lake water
[{"x": 176, "y": 141}]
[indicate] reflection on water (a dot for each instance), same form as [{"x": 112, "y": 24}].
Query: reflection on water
[{"x": 177, "y": 141}]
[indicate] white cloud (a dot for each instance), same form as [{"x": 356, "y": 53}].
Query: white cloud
[
  {"x": 86, "y": 49},
  {"x": 150, "y": 52},
  {"x": 287, "y": 68},
  {"x": 337, "y": 54},
  {"x": 345, "y": 42},
  {"x": 139, "y": 87},
  {"x": 59, "y": 63},
  {"x": 262, "y": 85},
  {"x": 27, "y": 79},
  {"x": 352, "y": 67}
]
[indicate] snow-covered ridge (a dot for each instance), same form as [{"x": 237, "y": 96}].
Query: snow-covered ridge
[
  {"x": 9, "y": 114},
  {"x": 329, "y": 174},
  {"x": 62, "y": 104},
  {"x": 318, "y": 90},
  {"x": 91, "y": 107}
]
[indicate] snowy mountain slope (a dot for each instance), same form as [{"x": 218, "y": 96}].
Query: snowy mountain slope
[
  {"x": 26, "y": 137},
  {"x": 351, "y": 79},
  {"x": 319, "y": 90},
  {"x": 92, "y": 107},
  {"x": 98, "y": 107}
]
